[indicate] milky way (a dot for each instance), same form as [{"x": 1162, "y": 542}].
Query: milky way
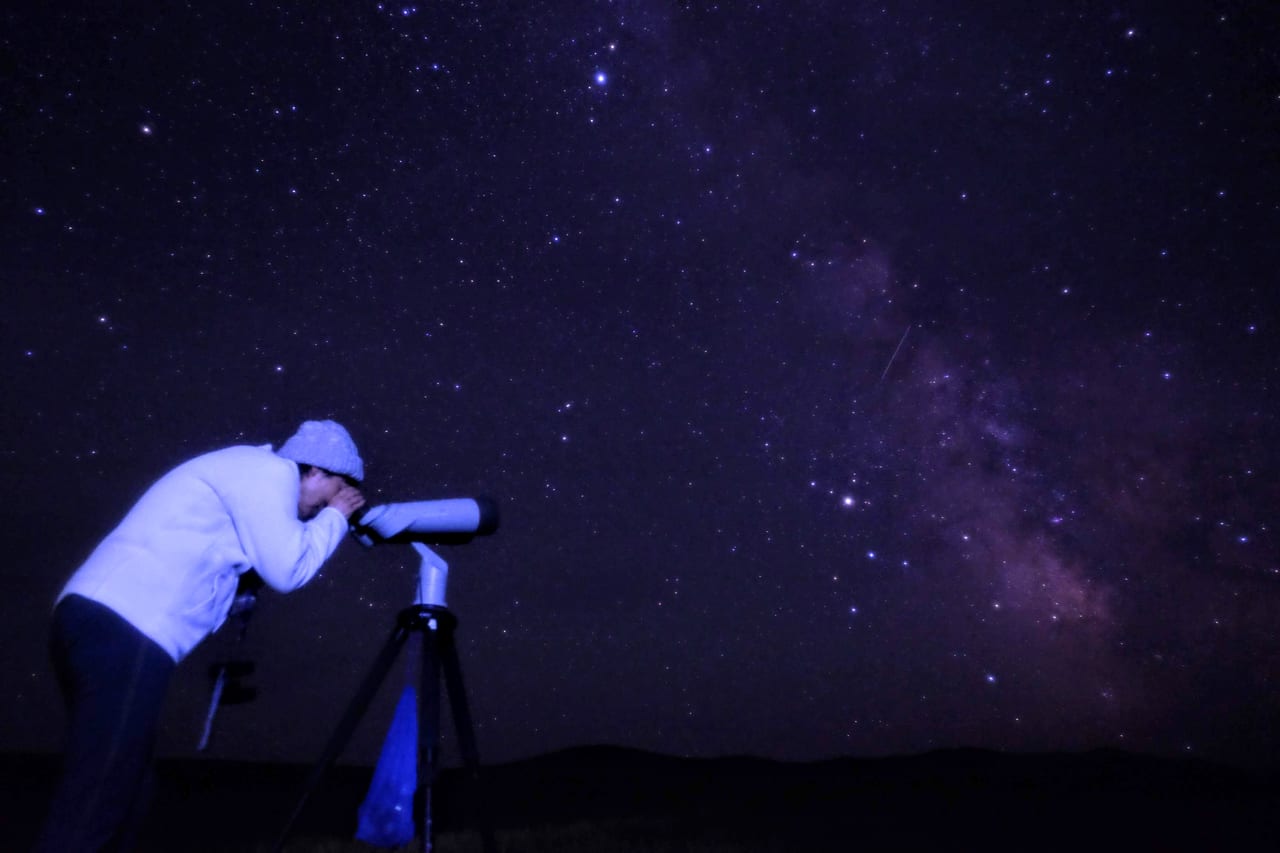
[{"x": 854, "y": 380}]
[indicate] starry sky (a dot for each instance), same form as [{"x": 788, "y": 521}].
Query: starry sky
[{"x": 855, "y": 378}]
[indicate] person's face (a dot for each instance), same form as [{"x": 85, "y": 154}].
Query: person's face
[{"x": 315, "y": 491}]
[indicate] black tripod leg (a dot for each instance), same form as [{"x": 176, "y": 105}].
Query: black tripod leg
[
  {"x": 466, "y": 735},
  {"x": 429, "y": 728},
  {"x": 355, "y": 711}
]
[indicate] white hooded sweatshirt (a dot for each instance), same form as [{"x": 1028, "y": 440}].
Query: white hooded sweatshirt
[{"x": 172, "y": 566}]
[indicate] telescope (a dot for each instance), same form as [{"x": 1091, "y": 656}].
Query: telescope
[
  {"x": 418, "y": 524},
  {"x": 454, "y": 521}
]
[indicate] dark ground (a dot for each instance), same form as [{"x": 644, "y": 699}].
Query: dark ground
[{"x": 964, "y": 799}]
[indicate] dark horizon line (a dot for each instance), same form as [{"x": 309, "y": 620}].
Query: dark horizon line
[{"x": 597, "y": 751}]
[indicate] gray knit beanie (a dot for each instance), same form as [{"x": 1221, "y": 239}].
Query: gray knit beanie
[{"x": 324, "y": 444}]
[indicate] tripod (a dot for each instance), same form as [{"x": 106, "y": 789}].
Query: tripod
[{"x": 436, "y": 623}]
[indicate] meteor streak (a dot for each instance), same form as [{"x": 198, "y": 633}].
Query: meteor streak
[{"x": 895, "y": 354}]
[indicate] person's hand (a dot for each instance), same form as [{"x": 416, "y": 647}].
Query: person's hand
[{"x": 347, "y": 500}]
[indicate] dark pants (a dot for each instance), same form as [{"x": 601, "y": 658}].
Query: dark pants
[{"x": 113, "y": 679}]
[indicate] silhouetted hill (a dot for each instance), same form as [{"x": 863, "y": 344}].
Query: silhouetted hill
[{"x": 956, "y": 799}]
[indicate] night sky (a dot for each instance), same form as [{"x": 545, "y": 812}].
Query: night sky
[{"x": 854, "y": 378}]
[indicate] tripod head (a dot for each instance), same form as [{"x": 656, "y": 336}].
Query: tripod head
[{"x": 421, "y": 523}]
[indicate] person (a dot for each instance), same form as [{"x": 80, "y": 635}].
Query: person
[{"x": 161, "y": 582}]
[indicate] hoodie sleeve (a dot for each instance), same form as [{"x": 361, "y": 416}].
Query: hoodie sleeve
[{"x": 286, "y": 552}]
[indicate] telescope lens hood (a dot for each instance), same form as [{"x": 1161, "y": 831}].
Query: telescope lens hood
[{"x": 488, "y": 515}]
